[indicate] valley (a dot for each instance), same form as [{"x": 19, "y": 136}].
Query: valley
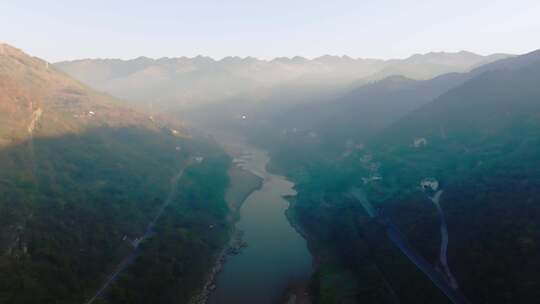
[{"x": 295, "y": 180}]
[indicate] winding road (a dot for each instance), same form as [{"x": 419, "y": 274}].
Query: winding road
[
  {"x": 395, "y": 235},
  {"x": 443, "y": 256},
  {"x": 148, "y": 233}
]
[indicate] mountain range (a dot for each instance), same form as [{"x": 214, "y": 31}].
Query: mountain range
[{"x": 185, "y": 83}]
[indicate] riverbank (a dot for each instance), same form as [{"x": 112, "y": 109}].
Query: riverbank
[
  {"x": 277, "y": 254},
  {"x": 241, "y": 184},
  {"x": 297, "y": 292}
]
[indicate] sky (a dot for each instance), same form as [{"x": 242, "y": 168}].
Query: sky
[{"x": 66, "y": 30}]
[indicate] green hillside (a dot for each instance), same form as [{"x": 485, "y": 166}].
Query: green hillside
[
  {"x": 82, "y": 177},
  {"x": 481, "y": 144}
]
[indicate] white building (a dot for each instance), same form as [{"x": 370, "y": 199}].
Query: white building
[
  {"x": 429, "y": 183},
  {"x": 420, "y": 142}
]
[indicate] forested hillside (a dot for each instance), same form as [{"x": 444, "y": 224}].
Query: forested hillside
[
  {"x": 82, "y": 177},
  {"x": 479, "y": 141}
]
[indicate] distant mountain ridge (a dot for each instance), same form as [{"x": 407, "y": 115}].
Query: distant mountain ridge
[
  {"x": 490, "y": 94},
  {"x": 188, "y": 82},
  {"x": 369, "y": 108},
  {"x": 429, "y": 65}
]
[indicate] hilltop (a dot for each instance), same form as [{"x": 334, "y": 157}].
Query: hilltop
[{"x": 39, "y": 99}]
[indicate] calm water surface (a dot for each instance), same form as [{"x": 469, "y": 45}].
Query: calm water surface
[{"x": 276, "y": 254}]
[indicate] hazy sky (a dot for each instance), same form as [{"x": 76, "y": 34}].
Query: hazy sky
[{"x": 68, "y": 29}]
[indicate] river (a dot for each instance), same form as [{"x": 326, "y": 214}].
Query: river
[{"x": 276, "y": 255}]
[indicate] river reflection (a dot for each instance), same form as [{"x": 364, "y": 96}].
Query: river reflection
[{"x": 276, "y": 254}]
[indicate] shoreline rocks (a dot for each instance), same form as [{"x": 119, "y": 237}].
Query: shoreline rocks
[{"x": 234, "y": 247}]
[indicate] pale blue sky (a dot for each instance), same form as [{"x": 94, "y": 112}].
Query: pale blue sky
[{"x": 59, "y": 30}]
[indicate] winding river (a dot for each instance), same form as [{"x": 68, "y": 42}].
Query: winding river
[{"x": 276, "y": 255}]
